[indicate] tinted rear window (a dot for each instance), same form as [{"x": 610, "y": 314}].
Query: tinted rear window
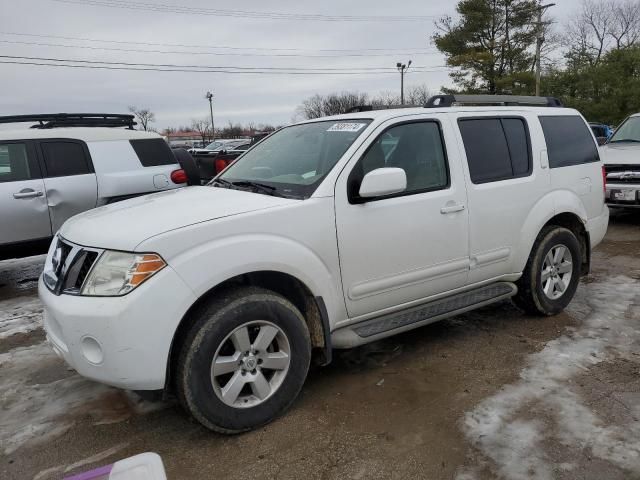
[
  {"x": 64, "y": 158},
  {"x": 497, "y": 148},
  {"x": 153, "y": 152},
  {"x": 569, "y": 141}
]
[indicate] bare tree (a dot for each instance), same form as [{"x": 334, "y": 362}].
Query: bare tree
[
  {"x": 625, "y": 23},
  {"x": 144, "y": 116},
  {"x": 333, "y": 104},
  {"x": 418, "y": 94},
  {"x": 203, "y": 127},
  {"x": 386, "y": 98}
]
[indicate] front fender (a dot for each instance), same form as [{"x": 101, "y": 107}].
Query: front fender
[{"x": 210, "y": 264}]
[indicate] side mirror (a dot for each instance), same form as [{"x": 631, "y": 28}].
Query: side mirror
[{"x": 383, "y": 181}]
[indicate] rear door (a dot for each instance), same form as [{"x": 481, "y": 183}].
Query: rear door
[
  {"x": 23, "y": 201},
  {"x": 69, "y": 179},
  {"x": 506, "y": 178}
]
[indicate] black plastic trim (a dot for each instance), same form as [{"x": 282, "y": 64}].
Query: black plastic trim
[{"x": 326, "y": 330}]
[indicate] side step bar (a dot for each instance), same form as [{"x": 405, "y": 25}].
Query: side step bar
[{"x": 387, "y": 325}]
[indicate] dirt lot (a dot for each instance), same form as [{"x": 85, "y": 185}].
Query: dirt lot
[{"x": 491, "y": 394}]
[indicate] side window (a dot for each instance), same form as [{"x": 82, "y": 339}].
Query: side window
[
  {"x": 415, "y": 147},
  {"x": 63, "y": 158},
  {"x": 14, "y": 163},
  {"x": 497, "y": 148},
  {"x": 153, "y": 152},
  {"x": 569, "y": 141}
]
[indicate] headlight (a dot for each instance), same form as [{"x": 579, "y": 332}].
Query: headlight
[{"x": 118, "y": 273}]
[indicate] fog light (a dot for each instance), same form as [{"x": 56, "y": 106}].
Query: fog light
[{"x": 92, "y": 350}]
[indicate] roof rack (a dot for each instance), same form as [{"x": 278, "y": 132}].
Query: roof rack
[
  {"x": 439, "y": 101},
  {"x": 370, "y": 108},
  {"x": 53, "y": 120}
]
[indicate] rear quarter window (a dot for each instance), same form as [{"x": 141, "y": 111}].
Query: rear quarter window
[
  {"x": 569, "y": 141},
  {"x": 153, "y": 152}
]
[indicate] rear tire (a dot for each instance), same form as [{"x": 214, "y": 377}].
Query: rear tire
[
  {"x": 244, "y": 361},
  {"x": 552, "y": 274}
]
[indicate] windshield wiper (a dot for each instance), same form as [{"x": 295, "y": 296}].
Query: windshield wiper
[
  {"x": 268, "y": 189},
  {"x": 625, "y": 140},
  {"x": 221, "y": 181}
]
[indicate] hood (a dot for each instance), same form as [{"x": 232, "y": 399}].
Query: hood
[
  {"x": 123, "y": 225},
  {"x": 621, "y": 153}
]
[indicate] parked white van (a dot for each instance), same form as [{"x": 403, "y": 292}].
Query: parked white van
[{"x": 328, "y": 234}]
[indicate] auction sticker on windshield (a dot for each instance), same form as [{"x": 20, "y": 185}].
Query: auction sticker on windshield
[{"x": 346, "y": 127}]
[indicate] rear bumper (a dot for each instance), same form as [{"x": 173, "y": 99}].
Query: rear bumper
[
  {"x": 633, "y": 188},
  {"x": 597, "y": 227}
]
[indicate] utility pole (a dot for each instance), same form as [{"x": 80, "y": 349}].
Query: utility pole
[
  {"x": 402, "y": 68},
  {"x": 539, "y": 41},
  {"x": 209, "y": 96}
]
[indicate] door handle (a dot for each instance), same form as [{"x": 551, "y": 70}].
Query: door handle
[
  {"x": 452, "y": 209},
  {"x": 27, "y": 194}
]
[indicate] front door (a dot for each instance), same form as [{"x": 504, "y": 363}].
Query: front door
[
  {"x": 403, "y": 248},
  {"x": 23, "y": 203}
]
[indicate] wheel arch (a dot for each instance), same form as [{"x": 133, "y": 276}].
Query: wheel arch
[
  {"x": 312, "y": 307},
  {"x": 564, "y": 209}
]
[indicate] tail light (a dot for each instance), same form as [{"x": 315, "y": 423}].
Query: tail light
[
  {"x": 179, "y": 176},
  {"x": 221, "y": 164},
  {"x": 604, "y": 180}
]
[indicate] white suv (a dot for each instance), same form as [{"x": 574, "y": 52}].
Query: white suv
[
  {"x": 328, "y": 234},
  {"x": 71, "y": 163}
]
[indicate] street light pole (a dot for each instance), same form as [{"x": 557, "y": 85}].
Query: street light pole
[
  {"x": 540, "y": 39},
  {"x": 402, "y": 68},
  {"x": 209, "y": 96}
]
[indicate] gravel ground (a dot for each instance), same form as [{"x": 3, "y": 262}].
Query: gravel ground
[{"x": 490, "y": 394}]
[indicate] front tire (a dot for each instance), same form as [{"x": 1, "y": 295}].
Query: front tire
[
  {"x": 244, "y": 361},
  {"x": 552, "y": 274}
]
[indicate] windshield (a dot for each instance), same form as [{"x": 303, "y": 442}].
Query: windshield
[
  {"x": 628, "y": 132},
  {"x": 293, "y": 161},
  {"x": 214, "y": 146}
]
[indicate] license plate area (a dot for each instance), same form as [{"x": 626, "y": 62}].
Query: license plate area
[{"x": 623, "y": 195}]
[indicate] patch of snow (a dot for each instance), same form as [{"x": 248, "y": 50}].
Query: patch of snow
[
  {"x": 36, "y": 410},
  {"x": 20, "y": 314},
  {"x": 22, "y": 263},
  {"x": 501, "y": 427}
]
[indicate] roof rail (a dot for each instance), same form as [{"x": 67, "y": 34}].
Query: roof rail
[
  {"x": 370, "y": 108},
  {"x": 53, "y": 120},
  {"x": 440, "y": 101}
]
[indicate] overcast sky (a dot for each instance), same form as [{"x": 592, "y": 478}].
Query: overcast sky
[{"x": 178, "y": 97}]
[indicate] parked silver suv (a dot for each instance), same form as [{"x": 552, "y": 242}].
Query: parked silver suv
[{"x": 69, "y": 163}]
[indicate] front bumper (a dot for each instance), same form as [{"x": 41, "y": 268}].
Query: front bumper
[
  {"x": 632, "y": 194},
  {"x": 120, "y": 341}
]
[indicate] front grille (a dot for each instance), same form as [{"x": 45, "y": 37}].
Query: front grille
[
  {"x": 623, "y": 173},
  {"x": 78, "y": 271},
  {"x": 68, "y": 267}
]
